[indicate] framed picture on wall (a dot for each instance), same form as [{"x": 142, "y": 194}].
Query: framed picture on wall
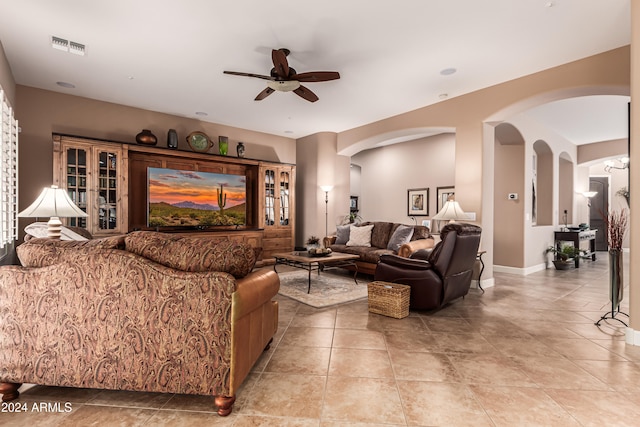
[
  {"x": 354, "y": 204},
  {"x": 443, "y": 195},
  {"x": 418, "y": 202}
]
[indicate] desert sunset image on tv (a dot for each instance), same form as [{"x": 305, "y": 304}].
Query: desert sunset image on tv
[{"x": 181, "y": 198}]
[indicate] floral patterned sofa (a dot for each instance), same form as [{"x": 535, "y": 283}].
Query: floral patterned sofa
[{"x": 144, "y": 312}]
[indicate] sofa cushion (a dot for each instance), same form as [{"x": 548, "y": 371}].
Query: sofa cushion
[
  {"x": 360, "y": 236},
  {"x": 400, "y": 236},
  {"x": 342, "y": 234},
  {"x": 381, "y": 234},
  {"x": 44, "y": 252},
  {"x": 193, "y": 253}
]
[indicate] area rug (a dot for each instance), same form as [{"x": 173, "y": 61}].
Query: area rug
[{"x": 326, "y": 289}]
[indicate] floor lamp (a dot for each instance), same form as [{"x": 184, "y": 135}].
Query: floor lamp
[
  {"x": 326, "y": 189},
  {"x": 53, "y": 202}
]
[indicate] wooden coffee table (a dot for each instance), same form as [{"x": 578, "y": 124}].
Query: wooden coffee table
[{"x": 302, "y": 259}]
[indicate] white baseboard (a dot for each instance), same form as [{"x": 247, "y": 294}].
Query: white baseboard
[
  {"x": 632, "y": 337},
  {"x": 519, "y": 271}
]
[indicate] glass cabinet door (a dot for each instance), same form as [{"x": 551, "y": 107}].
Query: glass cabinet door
[
  {"x": 77, "y": 182},
  {"x": 270, "y": 197},
  {"x": 284, "y": 198},
  {"x": 107, "y": 190}
]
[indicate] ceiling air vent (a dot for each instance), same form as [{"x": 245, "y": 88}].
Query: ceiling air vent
[{"x": 67, "y": 46}]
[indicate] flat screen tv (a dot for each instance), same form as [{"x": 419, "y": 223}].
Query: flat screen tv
[{"x": 182, "y": 198}]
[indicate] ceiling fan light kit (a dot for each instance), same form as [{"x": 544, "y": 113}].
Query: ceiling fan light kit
[{"x": 283, "y": 78}]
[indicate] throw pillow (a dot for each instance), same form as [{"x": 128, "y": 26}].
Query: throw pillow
[
  {"x": 342, "y": 234},
  {"x": 360, "y": 236},
  {"x": 399, "y": 237},
  {"x": 420, "y": 232}
]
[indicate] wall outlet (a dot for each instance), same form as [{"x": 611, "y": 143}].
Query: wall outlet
[
  {"x": 471, "y": 216},
  {"x": 512, "y": 196}
]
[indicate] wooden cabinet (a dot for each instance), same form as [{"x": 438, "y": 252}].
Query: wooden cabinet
[
  {"x": 276, "y": 205},
  {"x": 108, "y": 180},
  {"x": 95, "y": 176}
]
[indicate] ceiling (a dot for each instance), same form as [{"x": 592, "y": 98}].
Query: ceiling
[{"x": 169, "y": 56}]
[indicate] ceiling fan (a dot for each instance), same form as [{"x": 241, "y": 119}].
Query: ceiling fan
[{"x": 285, "y": 79}]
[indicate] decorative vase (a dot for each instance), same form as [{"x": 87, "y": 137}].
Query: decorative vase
[
  {"x": 223, "y": 145},
  {"x": 240, "y": 149},
  {"x": 616, "y": 284},
  {"x": 172, "y": 139},
  {"x": 146, "y": 138}
]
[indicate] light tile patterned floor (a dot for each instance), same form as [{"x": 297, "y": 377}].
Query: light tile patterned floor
[{"x": 526, "y": 352}]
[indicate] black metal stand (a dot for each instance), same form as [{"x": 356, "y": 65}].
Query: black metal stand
[
  {"x": 616, "y": 285},
  {"x": 612, "y": 316}
]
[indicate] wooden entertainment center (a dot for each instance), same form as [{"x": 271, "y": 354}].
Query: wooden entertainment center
[{"x": 108, "y": 180}]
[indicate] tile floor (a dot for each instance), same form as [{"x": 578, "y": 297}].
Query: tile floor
[{"x": 526, "y": 352}]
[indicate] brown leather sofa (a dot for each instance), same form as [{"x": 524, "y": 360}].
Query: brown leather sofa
[
  {"x": 381, "y": 233},
  {"x": 143, "y": 312},
  {"x": 438, "y": 276}
]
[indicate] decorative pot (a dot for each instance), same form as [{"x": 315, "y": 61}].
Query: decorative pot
[
  {"x": 240, "y": 149},
  {"x": 563, "y": 265},
  {"x": 146, "y": 138},
  {"x": 616, "y": 284},
  {"x": 172, "y": 139},
  {"x": 223, "y": 145}
]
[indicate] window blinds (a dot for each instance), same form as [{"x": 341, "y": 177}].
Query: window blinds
[{"x": 8, "y": 173}]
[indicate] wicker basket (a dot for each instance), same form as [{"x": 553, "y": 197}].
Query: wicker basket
[{"x": 389, "y": 299}]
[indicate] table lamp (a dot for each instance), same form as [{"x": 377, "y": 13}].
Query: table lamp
[
  {"x": 451, "y": 211},
  {"x": 53, "y": 202}
]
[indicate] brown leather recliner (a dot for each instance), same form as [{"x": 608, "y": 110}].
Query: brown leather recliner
[{"x": 442, "y": 274}]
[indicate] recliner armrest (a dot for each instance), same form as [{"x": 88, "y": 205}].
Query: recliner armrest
[{"x": 405, "y": 263}]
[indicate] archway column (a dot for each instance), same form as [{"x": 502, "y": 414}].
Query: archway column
[{"x": 633, "y": 332}]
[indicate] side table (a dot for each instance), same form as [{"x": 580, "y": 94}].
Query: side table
[{"x": 479, "y": 258}]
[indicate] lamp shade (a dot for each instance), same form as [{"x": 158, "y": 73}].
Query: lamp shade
[
  {"x": 52, "y": 202},
  {"x": 451, "y": 211},
  {"x": 326, "y": 188}
]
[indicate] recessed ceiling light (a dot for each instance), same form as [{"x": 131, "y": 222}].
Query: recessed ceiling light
[
  {"x": 448, "y": 71},
  {"x": 201, "y": 113},
  {"x": 66, "y": 84},
  {"x": 443, "y": 96},
  {"x": 288, "y": 131},
  {"x": 549, "y": 4}
]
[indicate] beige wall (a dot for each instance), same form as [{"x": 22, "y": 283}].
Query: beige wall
[
  {"x": 6, "y": 78},
  {"x": 319, "y": 165},
  {"x": 42, "y": 113},
  {"x": 386, "y": 173},
  {"x": 602, "y": 150},
  {"x": 508, "y": 215},
  {"x": 468, "y": 115}
]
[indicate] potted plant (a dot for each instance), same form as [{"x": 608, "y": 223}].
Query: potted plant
[
  {"x": 351, "y": 218},
  {"x": 564, "y": 255},
  {"x": 313, "y": 242}
]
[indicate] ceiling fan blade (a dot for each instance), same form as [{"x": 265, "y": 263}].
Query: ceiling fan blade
[
  {"x": 316, "y": 76},
  {"x": 259, "y": 76},
  {"x": 280, "y": 63},
  {"x": 262, "y": 95},
  {"x": 305, "y": 93}
]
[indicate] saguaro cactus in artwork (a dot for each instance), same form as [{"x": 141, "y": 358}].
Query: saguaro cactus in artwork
[{"x": 222, "y": 198}]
